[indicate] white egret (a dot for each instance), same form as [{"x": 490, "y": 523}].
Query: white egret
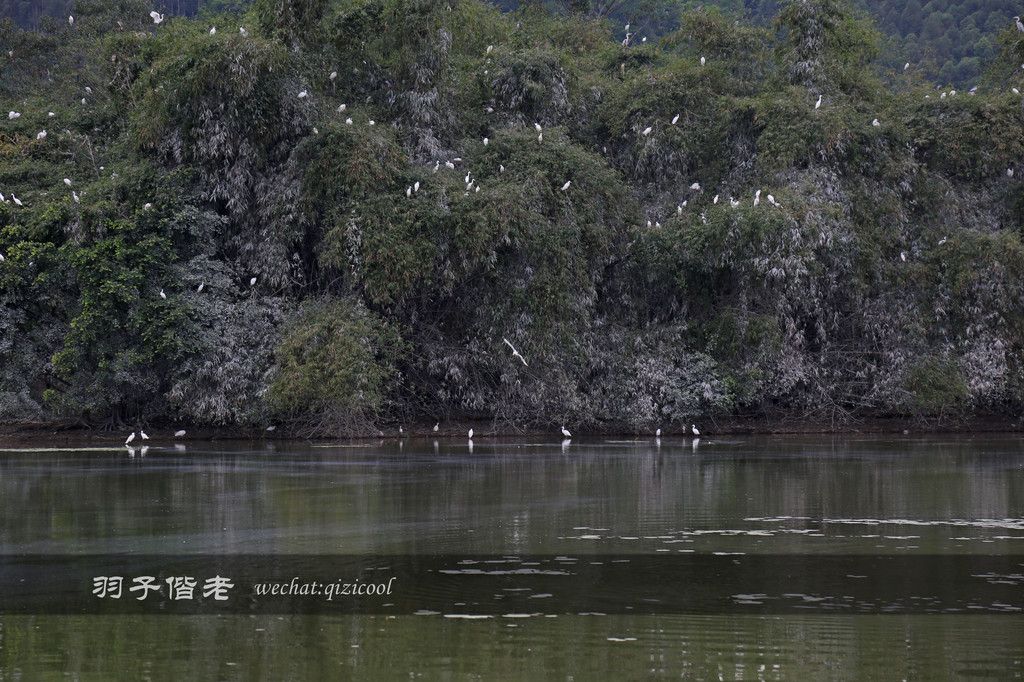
[
  {"x": 702, "y": 60},
  {"x": 903, "y": 256},
  {"x": 88, "y": 89},
  {"x": 71, "y": 20},
  {"x": 4, "y": 200},
  {"x": 771, "y": 200},
  {"x": 942, "y": 96},
  {"x": 41, "y": 135},
  {"x": 537, "y": 126},
  {"x": 449, "y": 165},
  {"x": 471, "y": 434},
  {"x": 675, "y": 118},
  {"x": 693, "y": 427},
  {"x": 74, "y": 195},
  {"x": 501, "y": 168},
  {"x": 2, "y": 259},
  {"x": 477, "y": 188},
  {"x": 647, "y": 131},
  {"x": 163, "y": 295},
  {"x": 757, "y": 197},
  {"x": 679, "y": 210},
  {"x": 130, "y": 438},
  {"x": 627, "y": 28},
  {"x": 906, "y": 66},
  {"x": 179, "y": 434},
  {"x": 565, "y": 432},
  {"x": 16, "y": 200},
  {"x": 13, "y": 115},
  {"x": 303, "y": 94},
  {"x": 315, "y": 131},
  {"x": 715, "y": 200},
  {"x": 241, "y": 29},
  {"x": 486, "y": 141},
  {"x": 695, "y": 186},
  {"x": 658, "y": 433},
  {"x": 734, "y": 203},
  {"x": 875, "y": 123},
  {"x": 489, "y": 110},
  {"x": 143, "y": 434},
  {"x": 1009, "y": 172},
  {"x": 371, "y": 122},
  {"x": 334, "y": 74},
  {"x": 67, "y": 181},
  {"x": 342, "y": 107},
  {"x": 348, "y": 121},
  {"x": 685, "y": 202},
  {"x": 83, "y": 100},
  {"x": 942, "y": 241},
  {"x": 157, "y": 17},
  {"x": 200, "y": 287},
  {"x": 416, "y": 186},
  {"x": 489, "y": 48},
  {"x": 817, "y": 105},
  {"x": 644, "y": 39},
  {"x": 271, "y": 427},
  {"x": 147, "y": 206},
  {"x": 213, "y": 31},
  {"x": 566, "y": 185},
  {"x": 1015, "y": 91},
  {"x": 515, "y": 353},
  {"x": 51, "y": 114},
  {"x": 408, "y": 191},
  {"x": 252, "y": 282},
  {"x": 952, "y": 93},
  {"x": 1020, "y": 26},
  {"x": 437, "y": 426},
  {"x": 540, "y": 138}
]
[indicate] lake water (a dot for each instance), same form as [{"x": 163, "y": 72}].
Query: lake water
[{"x": 732, "y": 500}]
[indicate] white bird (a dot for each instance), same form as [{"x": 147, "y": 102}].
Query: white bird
[
  {"x": 157, "y": 17},
  {"x": 771, "y": 200},
  {"x": 130, "y": 438},
  {"x": 906, "y": 66},
  {"x": 179, "y": 434},
  {"x": 449, "y": 165},
  {"x": 1009, "y": 172},
  {"x": 143, "y": 434},
  {"x": 271, "y": 427},
  {"x": 416, "y": 186},
  {"x": 694, "y": 428},
  {"x": 647, "y": 131},
  {"x": 695, "y": 186},
  {"x": 1015, "y": 91},
  {"x": 515, "y": 353},
  {"x": 2, "y": 199},
  {"x": 734, "y": 203},
  {"x": 252, "y": 282},
  {"x": 200, "y": 287},
  {"x": 147, "y": 206},
  {"x": 644, "y": 39},
  {"x": 537, "y": 126},
  {"x": 213, "y": 31},
  {"x": 83, "y": 100},
  {"x": 942, "y": 241},
  {"x": 679, "y": 210},
  {"x": 13, "y": 115},
  {"x": 817, "y": 104},
  {"x": 51, "y": 114},
  {"x": 489, "y": 110},
  {"x": 71, "y": 20},
  {"x": 163, "y": 295},
  {"x": 437, "y": 426},
  {"x": 702, "y": 61},
  {"x": 67, "y": 181},
  {"x": 715, "y": 200},
  {"x": 348, "y": 121},
  {"x": 489, "y": 48},
  {"x": 942, "y": 96},
  {"x": 875, "y": 123},
  {"x": 303, "y": 94},
  {"x": 903, "y": 256},
  {"x": 471, "y": 434},
  {"x": 675, "y": 118},
  {"x": 408, "y": 191},
  {"x": 566, "y": 185},
  {"x": 334, "y": 74},
  {"x": 371, "y": 122},
  {"x": 41, "y": 135},
  {"x": 952, "y": 93},
  {"x": 627, "y": 28},
  {"x": 565, "y": 432},
  {"x": 658, "y": 433},
  {"x": 16, "y": 200},
  {"x": 1020, "y": 26},
  {"x": 342, "y": 107},
  {"x": 74, "y": 195},
  {"x": 2, "y": 259},
  {"x": 486, "y": 141},
  {"x": 757, "y": 197},
  {"x": 241, "y": 29},
  {"x": 501, "y": 168},
  {"x": 88, "y": 89},
  {"x": 540, "y": 138}
]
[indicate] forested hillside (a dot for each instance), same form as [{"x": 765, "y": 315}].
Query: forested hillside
[{"x": 342, "y": 215}]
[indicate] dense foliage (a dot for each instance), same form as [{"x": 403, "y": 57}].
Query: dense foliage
[{"x": 339, "y": 214}]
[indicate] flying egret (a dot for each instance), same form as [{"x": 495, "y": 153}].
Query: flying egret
[
  {"x": 252, "y": 282},
  {"x": 143, "y": 434},
  {"x": 213, "y": 31},
  {"x": 16, "y": 200},
  {"x": 130, "y": 438},
  {"x": 566, "y": 185},
  {"x": 693, "y": 427},
  {"x": 875, "y": 123},
  {"x": 515, "y": 353},
  {"x": 1020, "y": 26},
  {"x": 471, "y": 434},
  {"x": 163, "y": 295},
  {"x": 817, "y": 105},
  {"x": 675, "y": 118},
  {"x": 565, "y": 432},
  {"x": 41, "y": 135},
  {"x": 647, "y": 131},
  {"x": 179, "y": 434}
]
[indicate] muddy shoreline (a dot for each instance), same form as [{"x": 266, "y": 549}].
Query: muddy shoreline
[{"x": 28, "y": 434}]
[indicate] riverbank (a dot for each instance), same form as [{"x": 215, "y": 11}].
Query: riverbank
[{"x": 27, "y": 434}]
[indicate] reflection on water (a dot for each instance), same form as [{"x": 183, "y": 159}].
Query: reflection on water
[{"x": 954, "y": 495}]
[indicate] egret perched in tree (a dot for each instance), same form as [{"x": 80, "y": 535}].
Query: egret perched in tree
[
  {"x": 471, "y": 434},
  {"x": 627, "y": 28},
  {"x": 371, "y": 122},
  {"x": 130, "y": 438},
  {"x": 489, "y": 110},
  {"x": 88, "y": 89},
  {"x": 540, "y": 138},
  {"x": 41, "y": 135},
  {"x": 13, "y": 115},
  {"x": 179, "y": 434},
  {"x": 695, "y": 186},
  {"x": 334, "y": 74},
  {"x": 733, "y": 202},
  {"x": 515, "y": 353},
  {"x": 303, "y": 94},
  {"x": 1020, "y": 26},
  {"x": 875, "y": 123},
  {"x": 213, "y": 31},
  {"x": 408, "y": 191},
  {"x": 906, "y": 66},
  {"x": 694, "y": 428},
  {"x": 647, "y": 131},
  {"x": 903, "y": 256},
  {"x": 715, "y": 200},
  {"x": 74, "y": 195},
  {"x": 67, "y": 181},
  {"x": 252, "y": 282},
  {"x": 679, "y": 209},
  {"x": 163, "y": 295},
  {"x": 200, "y": 287},
  {"x": 675, "y": 118},
  {"x": 83, "y": 100},
  {"x": 241, "y": 29},
  {"x": 416, "y": 186},
  {"x": 348, "y": 121},
  {"x": 702, "y": 61},
  {"x": 147, "y": 206},
  {"x": 271, "y": 427},
  {"x": 157, "y": 17},
  {"x": 817, "y": 105},
  {"x": 1009, "y": 172},
  {"x": 143, "y": 434},
  {"x": 342, "y": 107},
  {"x": 489, "y": 48},
  {"x": 3, "y": 199},
  {"x": 537, "y": 126},
  {"x": 51, "y": 114},
  {"x": 486, "y": 141},
  {"x": 16, "y": 200},
  {"x": 566, "y": 185},
  {"x": 757, "y": 197},
  {"x": 449, "y": 165},
  {"x": 71, "y": 20},
  {"x": 1015, "y": 91},
  {"x": 501, "y": 168}
]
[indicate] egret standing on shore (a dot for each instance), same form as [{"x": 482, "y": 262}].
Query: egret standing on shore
[{"x": 565, "y": 432}]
